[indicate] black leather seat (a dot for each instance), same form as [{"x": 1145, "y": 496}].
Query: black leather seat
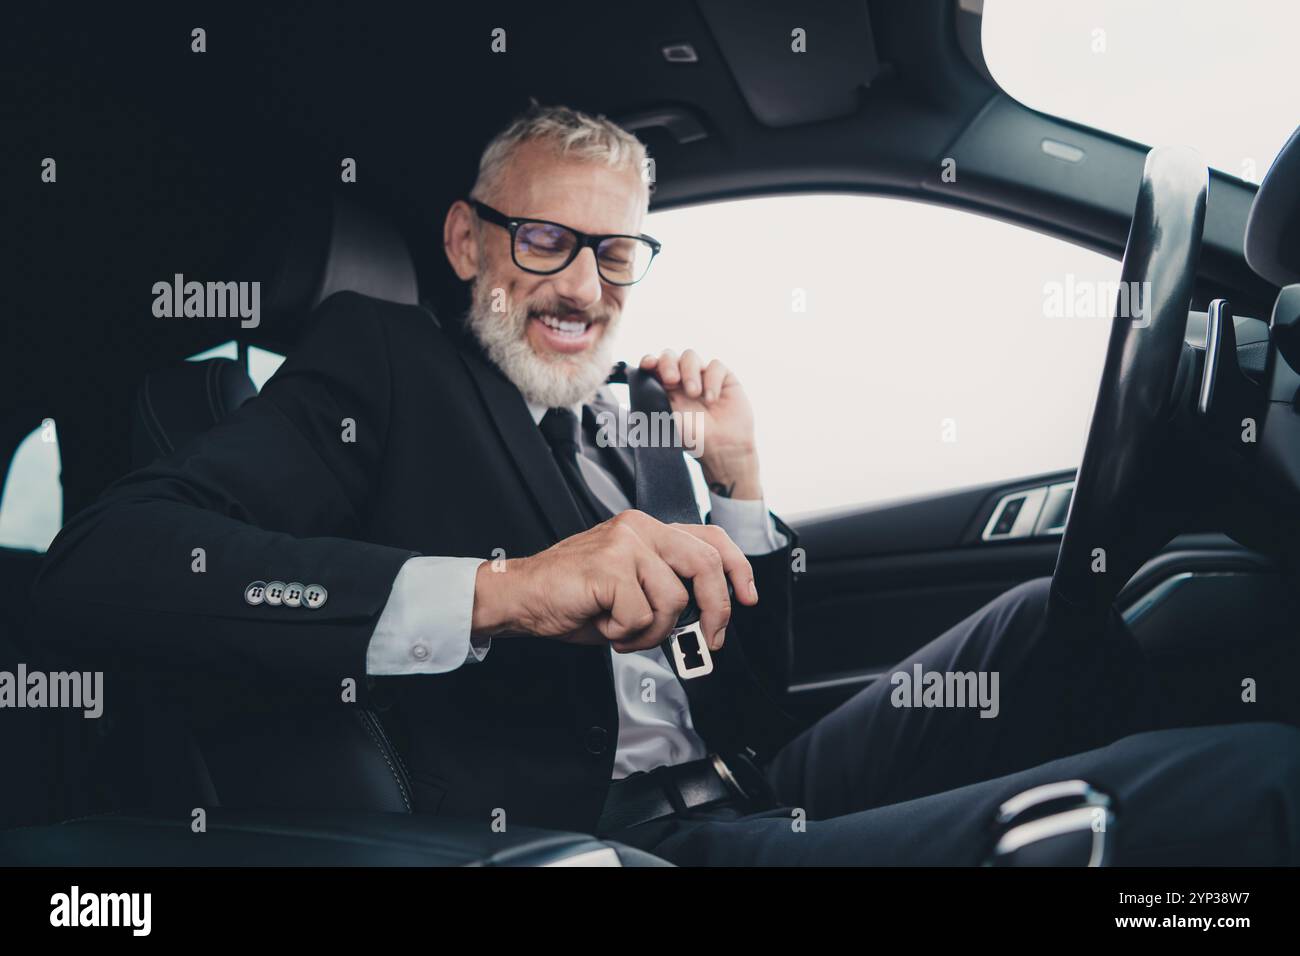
[
  {"x": 319, "y": 759},
  {"x": 318, "y": 248},
  {"x": 146, "y": 759},
  {"x": 174, "y": 404},
  {"x": 27, "y": 737}
]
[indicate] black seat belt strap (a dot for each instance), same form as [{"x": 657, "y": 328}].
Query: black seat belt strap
[{"x": 664, "y": 491}]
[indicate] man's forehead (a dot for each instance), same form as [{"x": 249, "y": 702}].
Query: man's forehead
[{"x": 589, "y": 195}]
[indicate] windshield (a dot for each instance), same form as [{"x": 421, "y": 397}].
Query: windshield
[{"x": 1219, "y": 77}]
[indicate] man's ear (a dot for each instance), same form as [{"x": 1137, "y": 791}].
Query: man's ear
[{"x": 459, "y": 241}]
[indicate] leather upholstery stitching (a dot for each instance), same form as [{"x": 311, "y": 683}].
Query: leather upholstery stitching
[
  {"x": 214, "y": 392},
  {"x": 388, "y": 742},
  {"x": 364, "y": 717},
  {"x": 152, "y": 423}
]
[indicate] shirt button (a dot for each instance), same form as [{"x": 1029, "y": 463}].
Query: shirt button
[
  {"x": 315, "y": 596},
  {"x": 275, "y": 593},
  {"x": 255, "y": 593},
  {"x": 596, "y": 740},
  {"x": 419, "y": 652}
]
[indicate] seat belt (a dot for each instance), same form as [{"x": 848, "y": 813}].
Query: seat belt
[{"x": 664, "y": 491}]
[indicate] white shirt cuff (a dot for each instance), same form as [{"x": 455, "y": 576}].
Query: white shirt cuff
[
  {"x": 748, "y": 523},
  {"x": 425, "y": 626}
]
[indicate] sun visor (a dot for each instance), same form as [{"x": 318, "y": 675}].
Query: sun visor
[
  {"x": 1273, "y": 227},
  {"x": 796, "y": 62}
]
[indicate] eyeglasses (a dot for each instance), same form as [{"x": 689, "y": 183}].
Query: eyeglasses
[{"x": 544, "y": 248}]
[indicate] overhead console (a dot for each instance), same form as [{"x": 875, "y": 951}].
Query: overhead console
[{"x": 793, "y": 64}]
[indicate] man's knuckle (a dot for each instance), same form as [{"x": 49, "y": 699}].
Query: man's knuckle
[{"x": 623, "y": 534}]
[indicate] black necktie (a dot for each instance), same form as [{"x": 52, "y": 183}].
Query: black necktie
[{"x": 562, "y": 432}]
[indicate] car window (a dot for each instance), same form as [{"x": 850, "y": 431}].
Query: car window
[
  {"x": 890, "y": 348},
  {"x": 262, "y": 363},
  {"x": 31, "y": 505},
  {"x": 1219, "y": 77},
  {"x": 226, "y": 350}
]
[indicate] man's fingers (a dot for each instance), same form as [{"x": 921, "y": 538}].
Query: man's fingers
[
  {"x": 736, "y": 566},
  {"x": 692, "y": 557},
  {"x": 688, "y": 372},
  {"x": 689, "y": 368},
  {"x": 669, "y": 374},
  {"x": 715, "y": 374},
  {"x": 644, "y": 593},
  {"x": 666, "y": 595},
  {"x": 630, "y": 613}
]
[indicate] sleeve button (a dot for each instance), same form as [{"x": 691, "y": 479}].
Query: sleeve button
[{"x": 314, "y": 596}]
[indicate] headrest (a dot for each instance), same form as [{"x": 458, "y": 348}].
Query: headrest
[
  {"x": 322, "y": 247},
  {"x": 1273, "y": 227},
  {"x": 176, "y": 403}
]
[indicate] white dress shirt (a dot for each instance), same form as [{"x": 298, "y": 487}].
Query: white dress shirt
[{"x": 425, "y": 629}]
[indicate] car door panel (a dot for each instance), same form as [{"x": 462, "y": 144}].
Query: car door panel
[{"x": 880, "y": 582}]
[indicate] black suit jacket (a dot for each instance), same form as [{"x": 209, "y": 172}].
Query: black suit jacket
[{"x": 445, "y": 460}]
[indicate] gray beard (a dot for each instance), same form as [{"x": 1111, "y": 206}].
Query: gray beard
[{"x": 552, "y": 382}]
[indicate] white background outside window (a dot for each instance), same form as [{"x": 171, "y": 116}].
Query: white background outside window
[{"x": 914, "y": 314}]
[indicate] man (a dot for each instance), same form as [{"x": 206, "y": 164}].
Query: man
[{"x": 525, "y": 673}]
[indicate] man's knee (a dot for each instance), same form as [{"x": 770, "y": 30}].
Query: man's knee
[
  {"x": 1031, "y": 594},
  {"x": 1021, "y": 611}
]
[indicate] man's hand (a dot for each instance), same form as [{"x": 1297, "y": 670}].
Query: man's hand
[
  {"x": 715, "y": 413},
  {"x": 618, "y": 583}
]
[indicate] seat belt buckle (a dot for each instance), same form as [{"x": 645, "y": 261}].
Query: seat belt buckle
[{"x": 690, "y": 653}]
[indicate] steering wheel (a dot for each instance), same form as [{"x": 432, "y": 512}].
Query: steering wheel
[{"x": 1129, "y": 492}]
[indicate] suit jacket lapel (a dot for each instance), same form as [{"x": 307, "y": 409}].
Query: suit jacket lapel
[{"x": 532, "y": 456}]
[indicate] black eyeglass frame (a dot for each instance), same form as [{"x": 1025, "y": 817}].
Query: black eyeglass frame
[{"x": 585, "y": 240}]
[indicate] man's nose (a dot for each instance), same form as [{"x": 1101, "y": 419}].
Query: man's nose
[{"x": 579, "y": 283}]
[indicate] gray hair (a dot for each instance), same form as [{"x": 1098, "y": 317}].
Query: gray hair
[{"x": 572, "y": 134}]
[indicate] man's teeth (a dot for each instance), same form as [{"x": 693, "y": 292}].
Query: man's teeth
[{"x": 565, "y": 326}]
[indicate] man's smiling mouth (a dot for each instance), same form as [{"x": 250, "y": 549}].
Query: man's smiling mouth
[
  {"x": 565, "y": 326},
  {"x": 564, "y": 333}
]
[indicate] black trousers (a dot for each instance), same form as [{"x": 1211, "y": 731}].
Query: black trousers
[{"x": 873, "y": 782}]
